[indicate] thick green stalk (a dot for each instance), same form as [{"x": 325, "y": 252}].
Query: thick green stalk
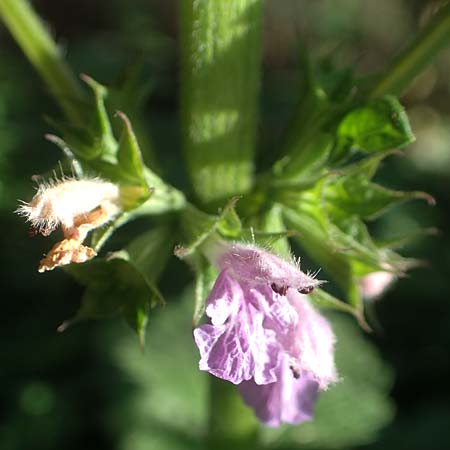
[
  {"x": 36, "y": 42},
  {"x": 231, "y": 425},
  {"x": 221, "y": 49},
  {"x": 416, "y": 57}
]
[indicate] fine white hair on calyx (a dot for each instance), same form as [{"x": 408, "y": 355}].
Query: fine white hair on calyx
[
  {"x": 268, "y": 247},
  {"x": 313, "y": 274},
  {"x": 60, "y": 200}
]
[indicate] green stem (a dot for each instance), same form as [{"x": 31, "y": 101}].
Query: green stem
[
  {"x": 231, "y": 425},
  {"x": 221, "y": 48},
  {"x": 36, "y": 42},
  {"x": 415, "y": 58}
]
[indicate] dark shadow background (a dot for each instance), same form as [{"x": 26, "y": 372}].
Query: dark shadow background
[{"x": 90, "y": 387}]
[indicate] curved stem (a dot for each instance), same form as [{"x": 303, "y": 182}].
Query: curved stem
[
  {"x": 402, "y": 71},
  {"x": 36, "y": 42}
]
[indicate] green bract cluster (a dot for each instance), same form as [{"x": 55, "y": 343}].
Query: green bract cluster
[
  {"x": 318, "y": 190},
  {"x": 319, "y": 193}
]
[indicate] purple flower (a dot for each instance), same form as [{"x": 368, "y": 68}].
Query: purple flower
[
  {"x": 289, "y": 400},
  {"x": 264, "y": 334}
]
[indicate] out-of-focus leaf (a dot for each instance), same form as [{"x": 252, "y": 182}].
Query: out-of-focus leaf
[
  {"x": 379, "y": 125},
  {"x": 327, "y": 92},
  {"x": 167, "y": 407},
  {"x": 336, "y": 82},
  {"x": 304, "y": 165},
  {"x": 406, "y": 238}
]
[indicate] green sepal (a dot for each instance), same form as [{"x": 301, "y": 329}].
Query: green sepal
[
  {"x": 306, "y": 165},
  {"x": 344, "y": 249},
  {"x": 402, "y": 240},
  {"x": 94, "y": 140},
  {"x": 100, "y": 127},
  {"x": 78, "y": 140},
  {"x": 129, "y": 157},
  {"x": 269, "y": 231},
  {"x": 313, "y": 238},
  {"x": 135, "y": 185},
  {"x": 230, "y": 225},
  {"x": 163, "y": 199},
  {"x": 380, "y": 125},
  {"x": 205, "y": 276},
  {"x": 327, "y": 95},
  {"x": 198, "y": 226},
  {"x": 323, "y": 299},
  {"x": 351, "y": 192},
  {"x": 95, "y": 150}
]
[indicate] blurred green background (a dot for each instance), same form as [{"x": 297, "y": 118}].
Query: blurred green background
[{"x": 91, "y": 387}]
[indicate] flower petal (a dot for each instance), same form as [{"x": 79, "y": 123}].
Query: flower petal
[
  {"x": 224, "y": 299},
  {"x": 288, "y": 400},
  {"x": 242, "y": 341},
  {"x": 312, "y": 346}
]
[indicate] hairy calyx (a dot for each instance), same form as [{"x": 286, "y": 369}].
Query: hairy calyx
[{"x": 78, "y": 206}]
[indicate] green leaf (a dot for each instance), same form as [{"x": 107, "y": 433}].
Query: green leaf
[
  {"x": 150, "y": 251},
  {"x": 112, "y": 286},
  {"x": 124, "y": 283},
  {"x": 380, "y": 125}
]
